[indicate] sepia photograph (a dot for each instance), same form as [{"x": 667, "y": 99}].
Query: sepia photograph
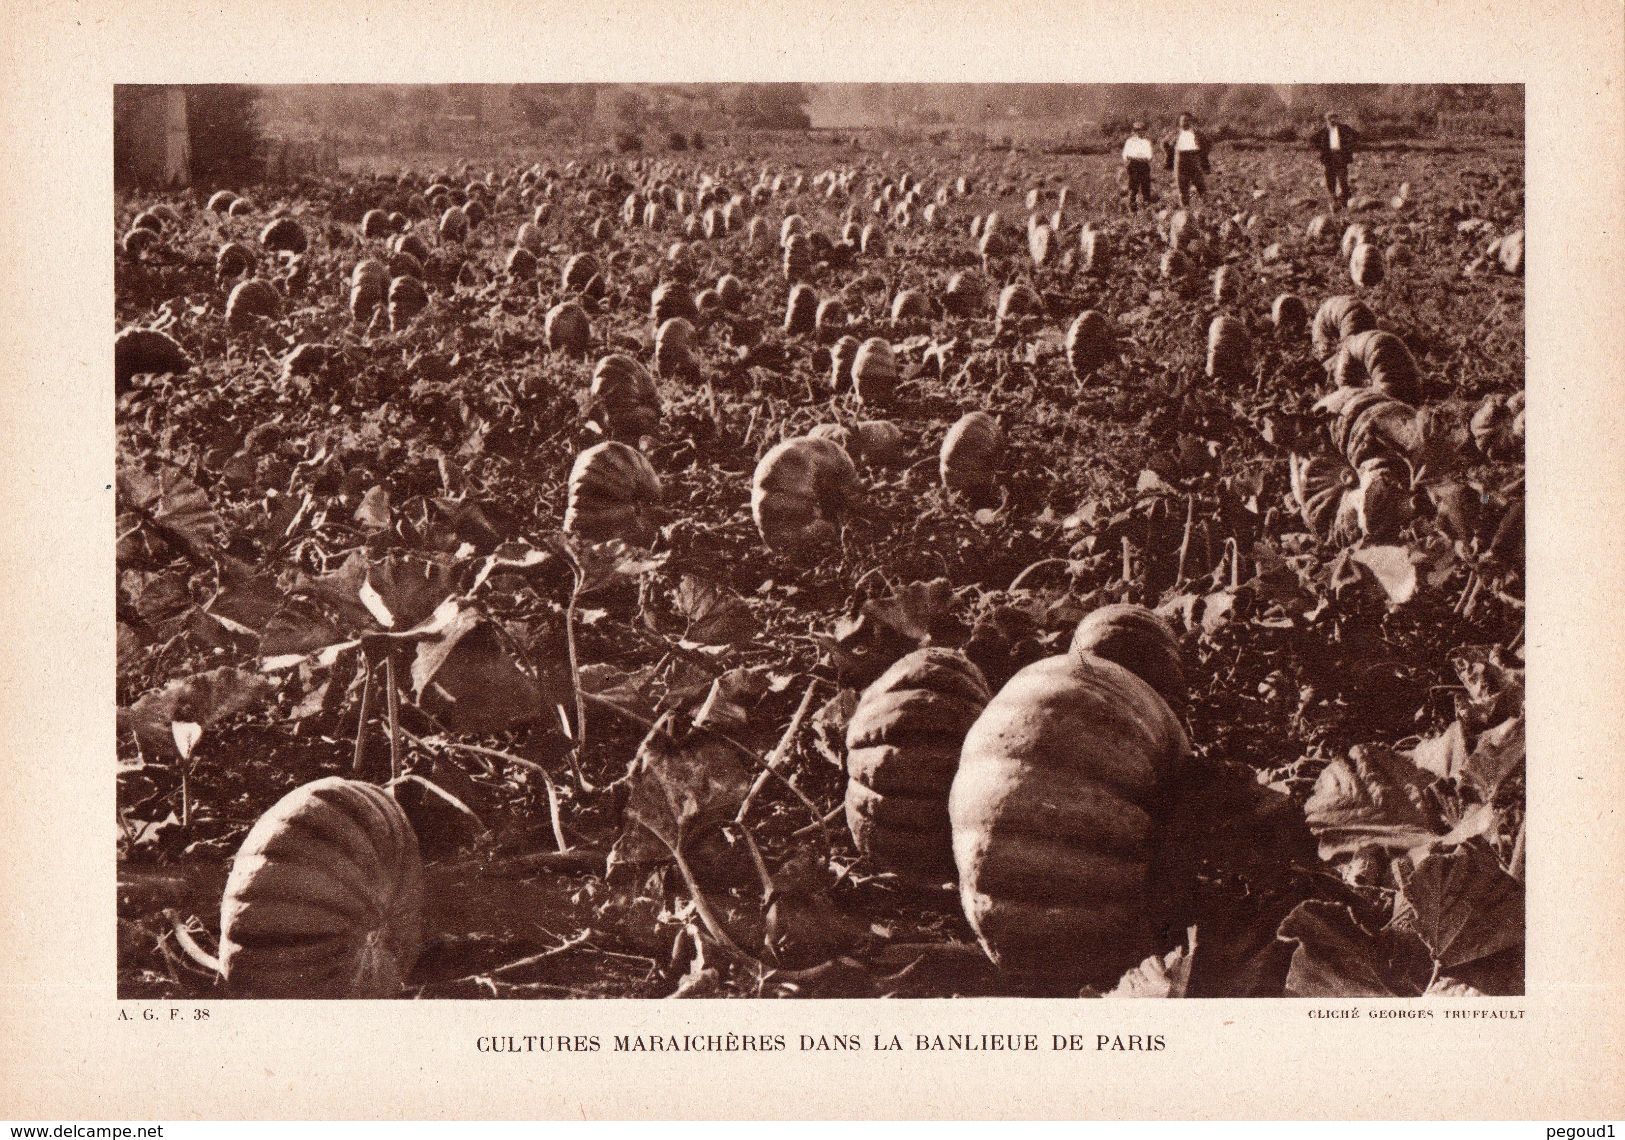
[{"x": 819, "y": 540}]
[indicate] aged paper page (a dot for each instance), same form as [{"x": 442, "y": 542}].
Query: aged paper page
[{"x": 70, "y": 1049}]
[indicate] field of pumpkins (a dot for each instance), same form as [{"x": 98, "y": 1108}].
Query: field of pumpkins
[{"x": 796, "y": 570}]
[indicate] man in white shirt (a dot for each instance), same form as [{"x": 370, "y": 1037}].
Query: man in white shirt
[
  {"x": 1336, "y": 142},
  {"x": 1137, "y": 160},
  {"x": 1187, "y": 155}
]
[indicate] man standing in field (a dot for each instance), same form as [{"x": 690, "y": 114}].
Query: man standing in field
[
  {"x": 1187, "y": 156},
  {"x": 1137, "y": 160},
  {"x": 1336, "y": 142}
]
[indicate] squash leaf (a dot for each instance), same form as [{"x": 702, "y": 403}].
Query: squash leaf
[
  {"x": 1335, "y": 956},
  {"x": 1375, "y": 798},
  {"x": 1463, "y": 906}
]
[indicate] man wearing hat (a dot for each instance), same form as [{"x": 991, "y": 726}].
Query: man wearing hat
[
  {"x": 1336, "y": 142},
  {"x": 1137, "y": 156}
]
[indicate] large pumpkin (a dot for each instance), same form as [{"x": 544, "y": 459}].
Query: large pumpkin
[
  {"x": 874, "y": 371},
  {"x": 1089, "y": 344},
  {"x": 613, "y": 493},
  {"x": 1289, "y": 315},
  {"x": 1381, "y": 360},
  {"x": 800, "y": 491},
  {"x": 1337, "y": 319},
  {"x": 1367, "y": 423},
  {"x": 1054, "y": 810},
  {"x": 325, "y": 897},
  {"x": 407, "y": 298},
  {"x": 972, "y": 453},
  {"x": 251, "y": 301},
  {"x": 801, "y": 310},
  {"x": 1366, "y": 266},
  {"x": 674, "y": 349},
  {"x": 1138, "y": 640},
  {"x": 902, "y": 749},
  {"x": 624, "y": 399},
  {"x": 1342, "y": 504},
  {"x": 566, "y": 327},
  {"x": 138, "y": 350},
  {"x": 671, "y": 299},
  {"x": 1229, "y": 349},
  {"x": 286, "y": 235}
]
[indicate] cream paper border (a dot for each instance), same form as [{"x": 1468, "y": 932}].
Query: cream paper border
[{"x": 63, "y": 1054}]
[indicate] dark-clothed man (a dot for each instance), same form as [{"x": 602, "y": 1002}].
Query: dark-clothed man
[
  {"x": 1137, "y": 156},
  {"x": 1336, "y": 142}
]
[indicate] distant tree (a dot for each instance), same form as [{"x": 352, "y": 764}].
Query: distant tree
[
  {"x": 227, "y": 137},
  {"x": 772, "y": 107}
]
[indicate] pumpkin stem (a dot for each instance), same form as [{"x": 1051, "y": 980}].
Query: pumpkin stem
[
  {"x": 358, "y": 764},
  {"x": 394, "y": 718}
]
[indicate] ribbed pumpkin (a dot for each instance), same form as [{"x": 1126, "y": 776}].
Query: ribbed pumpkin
[
  {"x": 1017, "y": 300},
  {"x": 972, "y": 453},
  {"x": 1337, "y": 319},
  {"x": 286, "y": 235},
  {"x": 876, "y": 443},
  {"x": 801, "y": 309},
  {"x": 1342, "y": 504},
  {"x": 233, "y": 259},
  {"x": 1381, "y": 360},
  {"x": 566, "y": 328},
  {"x": 674, "y": 349},
  {"x": 909, "y": 305},
  {"x": 454, "y": 225},
  {"x": 1355, "y": 235},
  {"x": 830, "y": 317},
  {"x": 1366, "y": 424},
  {"x": 613, "y": 492},
  {"x": 963, "y": 296},
  {"x": 521, "y": 264},
  {"x": 797, "y": 259},
  {"x": 874, "y": 371},
  {"x": 140, "y": 240},
  {"x": 1089, "y": 344},
  {"x": 1289, "y": 315},
  {"x": 137, "y": 351},
  {"x": 1094, "y": 252},
  {"x": 1038, "y": 243},
  {"x": 730, "y": 291},
  {"x": 413, "y": 245},
  {"x": 1054, "y": 810},
  {"x": 325, "y": 897},
  {"x": 671, "y": 299},
  {"x": 1366, "y": 266},
  {"x": 842, "y": 354},
  {"x": 1229, "y": 349},
  {"x": 1138, "y": 640},
  {"x": 800, "y": 491},
  {"x": 902, "y": 749},
  {"x": 251, "y": 301},
  {"x": 407, "y": 298},
  {"x": 623, "y": 398},
  {"x": 578, "y": 271}
]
